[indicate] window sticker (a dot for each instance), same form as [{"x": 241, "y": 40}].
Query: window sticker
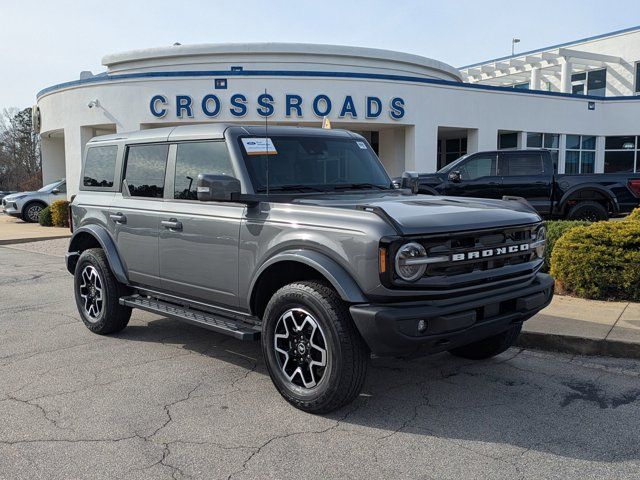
[
  {"x": 259, "y": 146},
  {"x": 362, "y": 145}
]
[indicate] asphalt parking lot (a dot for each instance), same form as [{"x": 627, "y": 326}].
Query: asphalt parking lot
[{"x": 167, "y": 400}]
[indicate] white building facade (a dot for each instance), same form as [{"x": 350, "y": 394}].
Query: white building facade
[{"x": 417, "y": 113}]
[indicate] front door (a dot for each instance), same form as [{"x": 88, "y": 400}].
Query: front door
[
  {"x": 134, "y": 215},
  {"x": 199, "y": 240},
  {"x": 478, "y": 177}
]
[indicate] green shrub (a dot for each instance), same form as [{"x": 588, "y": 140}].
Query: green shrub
[
  {"x": 45, "y": 217},
  {"x": 60, "y": 213},
  {"x": 635, "y": 215},
  {"x": 555, "y": 229},
  {"x": 600, "y": 261}
]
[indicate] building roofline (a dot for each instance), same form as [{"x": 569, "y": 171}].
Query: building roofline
[{"x": 559, "y": 45}]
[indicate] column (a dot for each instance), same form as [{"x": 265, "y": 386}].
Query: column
[
  {"x": 534, "y": 83},
  {"x": 53, "y": 161},
  {"x": 522, "y": 140},
  {"x": 75, "y": 139},
  {"x": 562, "y": 152},
  {"x": 599, "y": 166},
  {"x": 565, "y": 76},
  {"x": 420, "y": 148},
  {"x": 479, "y": 140}
]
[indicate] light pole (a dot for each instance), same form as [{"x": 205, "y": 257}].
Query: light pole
[{"x": 513, "y": 45}]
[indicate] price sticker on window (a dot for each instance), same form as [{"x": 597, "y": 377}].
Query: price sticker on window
[
  {"x": 259, "y": 146},
  {"x": 362, "y": 145}
]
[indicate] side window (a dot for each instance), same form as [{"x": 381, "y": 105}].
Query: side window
[
  {"x": 145, "y": 169},
  {"x": 514, "y": 165},
  {"x": 480, "y": 166},
  {"x": 195, "y": 158},
  {"x": 100, "y": 166},
  {"x": 62, "y": 188}
]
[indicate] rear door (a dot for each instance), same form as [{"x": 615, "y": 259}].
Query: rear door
[
  {"x": 134, "y": 215},
  {"x": 199, "y": 240},
  {"x": 478, "y": 177},
  {"x": 524, "y": 174}
]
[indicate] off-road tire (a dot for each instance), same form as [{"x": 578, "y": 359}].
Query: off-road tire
[
  {"x": 588, "y": 210},
  {"x": 347, "y": 354},
  {"x": 27, "y": 211},
  {"x": 489, "y": 347},
  {"x": 113, "y": 317}
]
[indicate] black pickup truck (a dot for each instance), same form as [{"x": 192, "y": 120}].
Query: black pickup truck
[{"x": 531, "y": 174}]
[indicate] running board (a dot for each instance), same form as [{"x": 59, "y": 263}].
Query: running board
[{"x": 217, "y": 323}]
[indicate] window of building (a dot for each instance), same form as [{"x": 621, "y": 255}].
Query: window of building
[
  {"x": 637, "y": 77},
  {"x": 621, "y": 154},
  {"x": 521, "y": 86},
  {"x": 580, "y": 154},
  {"x": 507, "y": 140},
  {"x": 100, "y": 167},
  {"x": 145, "y": 170},
  {"x": 549, "y": 141},
  {"x": 454, "y": 149},
  {"x": 480, "y": 166},
  {"x": 193, "y": 159},
  {"x": 593, "y": 82}
]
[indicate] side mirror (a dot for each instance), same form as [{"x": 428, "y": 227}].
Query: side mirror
[
  {"x": 455, "y": 176},
  {"x": 55, "y": 191},
  {"x": 411, "y": 180},
  {"x": 217, "y": 188}
]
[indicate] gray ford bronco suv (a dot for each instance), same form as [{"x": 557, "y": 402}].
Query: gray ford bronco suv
[{"x": 297, "y": 237}]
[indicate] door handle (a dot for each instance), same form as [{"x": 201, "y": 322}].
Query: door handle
[
  {"x": 171, "y": 224},
  {"x": 118, "y": 217}
]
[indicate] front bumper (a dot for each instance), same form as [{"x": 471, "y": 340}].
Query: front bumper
[
  {"x": 392, "y": 329},
  {"x": 11, "y": 208}
]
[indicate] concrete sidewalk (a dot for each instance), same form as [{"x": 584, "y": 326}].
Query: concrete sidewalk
[
  {"x": 14, "y": 230},
  {"x": 585, "y": 327}
]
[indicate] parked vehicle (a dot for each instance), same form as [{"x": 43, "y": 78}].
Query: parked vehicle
[
  {"x": 531, "y": 174},
  {"x": 298, "y": 237},
  {"x": 28, "y": 205},
  {"x": 4, "y": 193}
]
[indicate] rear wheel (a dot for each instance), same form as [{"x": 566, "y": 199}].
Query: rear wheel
[
  {"x": 31, "y": 212},
  {"x": 98, "y": 293},
  {"x": 489, "y": 347},
  {"x": 590, "y": 211},
  {"x": 315, "y": 356}
]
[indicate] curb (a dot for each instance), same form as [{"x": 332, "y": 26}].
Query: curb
[
  {"x": 579, "y": 345},
  {"x": 14, "y": 241}
]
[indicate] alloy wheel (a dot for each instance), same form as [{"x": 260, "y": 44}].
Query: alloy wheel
[
  {"x": 301, "y": 348},
  {"x": 33, "y": 213},
  {"x": 91, "y": 292}
]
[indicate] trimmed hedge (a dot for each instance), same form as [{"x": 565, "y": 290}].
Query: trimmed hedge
[
  {"x": 555, "y": 229},
  {"x": 60, "y": 213},
  {"x": 600, "y": 261},
  {"x": 45, "y": 217},
  {"x": 635, "y": 215}
]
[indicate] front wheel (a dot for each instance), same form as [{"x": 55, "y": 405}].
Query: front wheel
[
  {"x": 315, "y": 356},
  {"x": 31, "y": 212},
  {"x": 489, "y": 347}
]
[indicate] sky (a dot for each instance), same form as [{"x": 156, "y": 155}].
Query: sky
[{"x": 47, "y": 42}]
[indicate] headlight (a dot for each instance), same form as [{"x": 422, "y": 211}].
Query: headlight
[
  {"x": 404, "y": 268},
  {"x": 540, "y": 241},
  {"x": 19, "y": 197}
]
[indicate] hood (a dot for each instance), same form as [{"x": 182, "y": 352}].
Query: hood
[
  {"x": 13, "y": 196},
  {"x": 427, "y": 214}
]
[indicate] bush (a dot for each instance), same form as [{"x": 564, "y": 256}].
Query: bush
[
  {"x": 60, "y": 213},
  {"x": 45, "y": 217},
  {"x": 635, "y": 215},
  {"x": 555, "y": 229},
  {"x": 599, "y": 261}
]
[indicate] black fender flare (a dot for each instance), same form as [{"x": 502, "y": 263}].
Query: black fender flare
[
  {"x": 427, "y": 190},
  {"x": 335, "y": 274},
  {"x": 589, "y": 186},
  {"x": 106, "y": 242}
]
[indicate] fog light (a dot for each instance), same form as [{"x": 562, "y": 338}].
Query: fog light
[{"x": 422, "y": 326}]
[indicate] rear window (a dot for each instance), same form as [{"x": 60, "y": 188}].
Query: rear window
[
  {"x": 100, "y": 166},
  {"x": 518, "y": 165},
  {"x": 145, "y": 170}
]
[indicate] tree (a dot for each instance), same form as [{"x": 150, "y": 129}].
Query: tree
[{"x": 20, "y": 165}]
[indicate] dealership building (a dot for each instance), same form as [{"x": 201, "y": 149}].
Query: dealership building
[{"x": 578, "y": 99}]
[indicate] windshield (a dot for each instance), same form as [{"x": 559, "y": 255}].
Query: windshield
[
  {"x": 298, "y": 163},
  {"x": 46, "y": 188},
  {"x": 453, "y": 164}
]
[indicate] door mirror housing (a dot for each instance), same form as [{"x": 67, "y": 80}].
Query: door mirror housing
[
  {"x": 55, "y": 191},
  {"x": 455, "y": 176},
  {"x": 411, "y": 180},
  {"x": 217, "y": 188}
]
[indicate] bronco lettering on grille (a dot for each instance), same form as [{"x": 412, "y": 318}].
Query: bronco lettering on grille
[{"x": 489, "y": 252}]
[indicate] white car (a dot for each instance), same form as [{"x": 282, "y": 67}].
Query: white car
[{"x": 28, "y": 205}]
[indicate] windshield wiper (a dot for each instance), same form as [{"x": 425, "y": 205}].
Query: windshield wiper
[
  {"x": 291, "y": 188},
  {"x": 360, "y": 186}
]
